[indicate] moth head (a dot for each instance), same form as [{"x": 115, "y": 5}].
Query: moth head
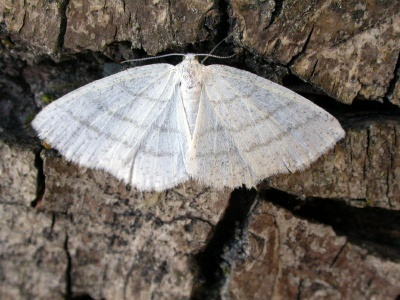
[{"x": 190, "y": 57}]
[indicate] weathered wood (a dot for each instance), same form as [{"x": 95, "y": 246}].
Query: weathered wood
[
  {"x": 88, "y": 234},
  {"x": 363, "y": 169},
  {"x": 291, "y": 258},
  {"x": 347, "y": 49},
  {"x": 128, "y": 244}
]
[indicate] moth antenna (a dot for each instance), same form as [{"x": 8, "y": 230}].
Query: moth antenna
[
  {"x": 215, "y": 56},
  {"x": 152, "y": 57},
  {"x": 215, "y": 47}
]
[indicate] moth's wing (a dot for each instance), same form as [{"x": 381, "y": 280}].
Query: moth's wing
[
  {"x": 269, "y": 128},
  {"x": 214, "y": 158},
  {"x": 108, "y": 123},
  {"x": 160, "y": 161}
]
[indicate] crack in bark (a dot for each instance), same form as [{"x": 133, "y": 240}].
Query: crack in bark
[
  {"x": 224, "y": 28},
  {"x": 124, "y": 6},
  {"x": 276, "y": 12},
  {"x": 63, "y": 23},
  {"x": 313, "y": 70},
  {"x": 40, "y": 180},
  {"x": 115, "y": 32},
  {"x": 214, "y": 262},
  {"x": 68, "y": 270},
  {"x": 23, "y": 22},
  {"x": 395, "y": 79},
  {"x": 389, "y": 170},
  {"x": 299, "y": 289},
  {"x": 303, "y": 48},
  {"x": 53, "y": 222},
  {"x": 338, "y": 254},
  {"x": 349, "y": 163},
  {"x": 393, "y": 158},
  {"x": 367, "y": 159}
]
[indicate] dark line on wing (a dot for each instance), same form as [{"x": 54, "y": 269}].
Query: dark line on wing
[{"x": 278, "y": 138}]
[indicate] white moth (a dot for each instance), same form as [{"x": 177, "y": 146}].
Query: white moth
[{"x": 159, "y": 125}]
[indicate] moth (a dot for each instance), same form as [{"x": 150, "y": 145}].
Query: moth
[{"x": 159, "y": 125}]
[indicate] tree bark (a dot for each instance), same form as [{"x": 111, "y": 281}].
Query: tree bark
[{"x": 328, "y": 232}]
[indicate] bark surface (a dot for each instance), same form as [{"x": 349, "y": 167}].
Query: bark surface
[{"x": 329, "y": 232}]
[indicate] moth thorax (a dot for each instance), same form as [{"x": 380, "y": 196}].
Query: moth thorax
[{"x": 191, "y": 84}]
